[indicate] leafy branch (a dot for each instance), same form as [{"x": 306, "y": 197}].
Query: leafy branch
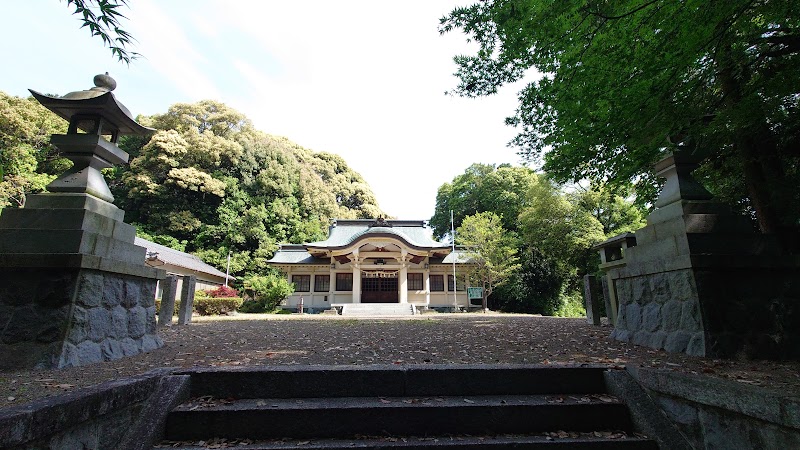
[{"x": 103, "y": 20}]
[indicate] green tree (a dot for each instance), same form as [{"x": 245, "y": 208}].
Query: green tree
[
  {"x": 610, "y": 83},
  {"x": 563, "y": 232},
  {"x": 28, "y": 162},
  {"x": 491, "y": 249},
  {"x": 615, "y": 213},
  {"x": 208, "y": 178},
  {"x": 483, "y": 187}
]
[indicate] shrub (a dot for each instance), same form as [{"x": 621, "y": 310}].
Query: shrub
[
  {"x": 211, "y": 306},
  {"x": 222, "y": 292},
  {"x": 265, "y": 292},
  {"x": 283, "y": 311}
]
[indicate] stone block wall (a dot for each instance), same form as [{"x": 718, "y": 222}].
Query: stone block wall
[
  {"x": 724, "y": 414},
  {"x": 70, "y": 317},
  {"x": 121, "y": 414},
  {"x": 660, "y": 310},
  {"x": 713, "y": 310}
]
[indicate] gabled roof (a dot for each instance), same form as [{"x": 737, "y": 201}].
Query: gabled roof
[
  {"x": 344, "y": 233},
  {"x": 166, "y": 255},
  {"x": 296, "y": 254}
]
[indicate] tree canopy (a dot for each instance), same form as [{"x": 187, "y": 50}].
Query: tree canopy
[
  {"x": 206, "y": 182},
  {"x": 611, "y": 85},
  {"x": 553, "y": 229},
  {"x": 482, "y": 187}
]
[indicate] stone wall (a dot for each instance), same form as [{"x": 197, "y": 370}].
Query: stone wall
[
  {"x": 724, "y": 414},
  {"x": 714, "y": 309},
  {"x": 660, "y": 311},
  {"x": 68, "y": 317},
  {"x": 126, "y": 414}
]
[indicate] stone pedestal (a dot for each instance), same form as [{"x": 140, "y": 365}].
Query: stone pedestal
[
  {"x": 701, "y": 281},
  {"x": 74, "y": 288}
]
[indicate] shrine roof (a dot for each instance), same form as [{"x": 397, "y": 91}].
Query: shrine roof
[{"x": 343, "y": 233}]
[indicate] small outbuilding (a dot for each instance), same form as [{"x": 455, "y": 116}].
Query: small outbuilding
[{"x": 180, "y": 263}]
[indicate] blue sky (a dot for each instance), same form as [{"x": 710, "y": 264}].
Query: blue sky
[{"x": 362, "y": 79}]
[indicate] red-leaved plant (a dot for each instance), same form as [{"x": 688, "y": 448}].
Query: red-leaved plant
[{"x": 222, "y": 291}]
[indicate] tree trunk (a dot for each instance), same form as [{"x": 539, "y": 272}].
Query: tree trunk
[{"x": 763, "y": 172}]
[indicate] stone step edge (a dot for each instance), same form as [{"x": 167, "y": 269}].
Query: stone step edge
[
  {"x": 329, "y": 403},
  {"x": 547, "y": 440}
]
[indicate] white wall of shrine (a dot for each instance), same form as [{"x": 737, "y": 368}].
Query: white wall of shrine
[{"x": 435, "y": 286}]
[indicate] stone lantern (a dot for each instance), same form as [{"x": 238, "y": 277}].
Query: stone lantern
[{"x": 74, "y": 289}]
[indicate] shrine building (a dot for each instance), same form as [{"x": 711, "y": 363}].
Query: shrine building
[{"x": 375, "y": 261}]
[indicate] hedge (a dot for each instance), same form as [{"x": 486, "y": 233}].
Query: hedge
[{"x": 210, "y": 306}]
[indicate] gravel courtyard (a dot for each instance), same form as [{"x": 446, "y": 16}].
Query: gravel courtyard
[{"x": 260, "y": 339}]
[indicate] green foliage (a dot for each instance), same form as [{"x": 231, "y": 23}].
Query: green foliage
[
  {"x": 28, "y": 162},
  {"x": 571, "y": 305},
  {"x": 609, "y": 82},
  {"x": 491, "y": 250},
  {"x": 500, "y": 189},
  {"x": 535, "y": 288},
  {"x": 616, "y": 214},
  {"x": 563, "y": 232},
  {"x": 265, "y": 292},
  {"x": 104, "y": 23},
  {"x": 214, "y": 306},
  {"x": 208, "y": 178}
]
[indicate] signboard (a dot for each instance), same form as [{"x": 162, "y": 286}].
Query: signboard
[{"x": 474, "y": 293}]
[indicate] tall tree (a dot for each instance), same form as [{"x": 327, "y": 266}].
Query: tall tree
[
  {"x": 483, "y": 187},
  {"x": 491, "y": 250},
  {"x": 557, "y": 227},
  {"x": 610, "y": 83}
]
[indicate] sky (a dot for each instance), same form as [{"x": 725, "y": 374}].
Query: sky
[{"x": 362, "y": 79}]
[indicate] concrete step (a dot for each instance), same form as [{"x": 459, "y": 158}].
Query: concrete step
[
  {"x": 348, "y": 417},
  {"x": 395, "y": 381},
  {"x": 378, "y": 309},
  {"x": 551, "y": 441}
]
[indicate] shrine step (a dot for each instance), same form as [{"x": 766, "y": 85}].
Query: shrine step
[
  {"x": 545, "y": 441},
  {"x": 378, "y": 309},
  {"x": 328, "y": 407},
  {"x": 346, "y": 417}
]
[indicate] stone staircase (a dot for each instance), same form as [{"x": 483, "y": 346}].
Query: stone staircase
[
  {"x": 410, "y": 407},
  {"x": 378, "y": 309}
]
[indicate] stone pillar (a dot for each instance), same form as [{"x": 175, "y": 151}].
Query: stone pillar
[
  {"x": 168, "y": 295},
  {"x": 591, "y": 300},
  {"x": 610, "y": 300},
  {"x": 187, "y": 299}
]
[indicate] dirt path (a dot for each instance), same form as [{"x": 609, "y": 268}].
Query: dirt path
[{"x": 428, "y": 339}]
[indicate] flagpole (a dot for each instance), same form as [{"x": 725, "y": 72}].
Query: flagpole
[{"x": 455, "y": 281}]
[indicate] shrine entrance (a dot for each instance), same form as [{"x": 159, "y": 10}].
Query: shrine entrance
[{"x": 379, "y": 287}]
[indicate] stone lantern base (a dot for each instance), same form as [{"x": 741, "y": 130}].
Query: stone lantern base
[
  {"x": 74, "y": 288},
  {"x": 701, "y": 281}
]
